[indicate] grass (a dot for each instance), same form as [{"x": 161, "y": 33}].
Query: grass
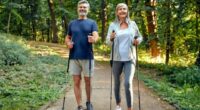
[
  {"x": 34, "y": 84},
  {"x": 30, "y": 85},
  {"x": 184, "y": 98}
]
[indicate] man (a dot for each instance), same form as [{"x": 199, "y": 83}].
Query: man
[{"x": 82, "y": 33}]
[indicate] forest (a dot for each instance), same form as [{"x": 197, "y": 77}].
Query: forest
[{"x": 171, "y": 45}]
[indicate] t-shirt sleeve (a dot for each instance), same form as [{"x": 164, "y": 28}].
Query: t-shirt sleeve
[{"x": 94, "y": 27}]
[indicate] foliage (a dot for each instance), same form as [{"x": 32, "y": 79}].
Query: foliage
[
  {"x": 12, "y": 53},
  {"x": 177, "y": 75},
  {"x": 183, "y": 25},
  {"x": 33, "y": 84},
  {"x": 177, "y": 83},
  {"x": 189, "y": 76},
  {"x": 102, "y": 48},
  {"x": 35, "y": 14},
  {"x": 186, "y": 98},
  {"x": 40, "y": 80}
]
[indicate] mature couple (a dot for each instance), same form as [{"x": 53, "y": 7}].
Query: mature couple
[{"x": 82, "y": 33}]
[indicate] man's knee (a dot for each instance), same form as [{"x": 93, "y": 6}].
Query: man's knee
[
  {"x": 88, "y": 81},
  {"x": 77, "y": 80}
]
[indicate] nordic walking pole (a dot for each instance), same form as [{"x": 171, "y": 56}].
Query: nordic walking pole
[
  {"x": 137, "y": 70},
  {"x": 63, "y": 106},
  {"x": 90, "y": 34},
  {"x": 111, "y": 63}
]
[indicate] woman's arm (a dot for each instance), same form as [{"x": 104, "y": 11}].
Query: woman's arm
[
  {"x": 139, "y": 38},
  {"x": 110, "y": 35}
]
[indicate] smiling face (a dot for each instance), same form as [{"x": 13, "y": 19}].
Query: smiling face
[
  {"x": 83, "y": 9},
  {"x": 122, "y": 11}
]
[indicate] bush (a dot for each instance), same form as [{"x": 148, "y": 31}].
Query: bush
[
  {"x": 11, "y": 52},
  {"x": 177, "y": 75},
  {"x": 188, "y": 76},
  {"x": 184, "y": 98},
  {"x": 29, "y": 86}
]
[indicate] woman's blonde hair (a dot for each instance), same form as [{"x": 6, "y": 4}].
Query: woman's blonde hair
[{"x": 116, "y": 17}]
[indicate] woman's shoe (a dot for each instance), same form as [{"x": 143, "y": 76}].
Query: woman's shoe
[
  {"x": 79, "y": 108},
  {"x": 118, "y": 108}
]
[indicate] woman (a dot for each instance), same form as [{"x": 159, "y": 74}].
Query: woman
[{"x": 122, "y": 33}]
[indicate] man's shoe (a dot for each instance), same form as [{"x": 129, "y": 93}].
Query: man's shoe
[
  {"x": 89, "y": 106},
  {"x": 79, "y": 108}
]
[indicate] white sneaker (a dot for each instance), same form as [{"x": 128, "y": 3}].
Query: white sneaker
[
  {"x": 79, "y": 108},
  {"x": 118, "y": 107}
]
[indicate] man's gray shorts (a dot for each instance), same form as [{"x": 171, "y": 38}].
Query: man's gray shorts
[{"x": 78, "y": 67}]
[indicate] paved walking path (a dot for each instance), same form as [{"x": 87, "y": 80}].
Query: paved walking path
[
  {"x": 101, "y": 91},
  {"x": 101, "y": 94}
]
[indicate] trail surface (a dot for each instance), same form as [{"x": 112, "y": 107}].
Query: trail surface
[{"x": 101, "y": 90}]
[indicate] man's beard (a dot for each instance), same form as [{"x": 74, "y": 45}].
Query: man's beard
[{"x": 82, "y": 13}]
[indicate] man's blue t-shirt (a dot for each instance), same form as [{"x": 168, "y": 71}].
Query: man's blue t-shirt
[{"x": 79, "y": 30}]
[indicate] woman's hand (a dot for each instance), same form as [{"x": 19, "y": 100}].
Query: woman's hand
[
  {"x": 112, "y": 35},
  {"x": 135, "y": 42}
]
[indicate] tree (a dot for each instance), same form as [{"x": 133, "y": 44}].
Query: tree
[
  {"x": 197, "y": 31},
  {"x": 64, "y": 18},
  {"x": 152, "y": 24},
  {"x": 12, "y": 7},
  {"x": 33, "y": 11},
  {"x": 53, "y": 21},
  {"x": 103, "y": 19},
  {"x": 167, "y": 34}
]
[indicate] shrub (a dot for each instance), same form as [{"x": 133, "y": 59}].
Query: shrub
[
  {"x": 12, "y": 52},
  {"x": 188, "y": 76}
]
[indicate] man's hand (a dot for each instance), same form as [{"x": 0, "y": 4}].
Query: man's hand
[
  {"x": 70, "y": 44},
  {"x": 91, "y": 39}
]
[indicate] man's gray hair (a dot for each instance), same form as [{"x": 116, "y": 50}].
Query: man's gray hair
[{"x": 84, "y": 2}]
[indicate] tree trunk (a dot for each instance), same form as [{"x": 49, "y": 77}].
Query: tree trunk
[
  {"x": 152, "y": 24},
  {"x": 198, "y": 60},
  {"x": 21, "y": 25},
  {"x": 168, "y": 31},
  {"x": 33, "y": 29},
  {"x": 48, "y": 29},
  {"x": 33, "y": 11},
  {"x": 53, "y": 21},
  {"x": 103, "y": 19},
  {"x": 9, "y": 18},
  {"x": 126, "y": 1},
  {"x": 197, "y": 24},
  {"x": 176, "y": 25},
  {"x": 64, "y": 18},
  {"x": 197, "y": 32}
]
